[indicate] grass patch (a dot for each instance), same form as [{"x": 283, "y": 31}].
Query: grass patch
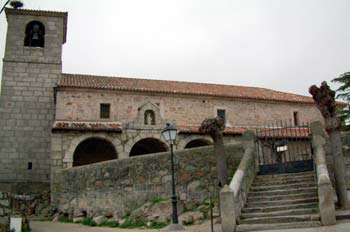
[
  {"x": 128, "y": 224},
  {"x": 112, "y": 224},
  {"x": 157, "y": 225},
  {"x": 88, "y": 222},
  {"x": 65, "y": 220},
  {"x": 26, "y": 230},
  {"x": 158, "y": 200}
]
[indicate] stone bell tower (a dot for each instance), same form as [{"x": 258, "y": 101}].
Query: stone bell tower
[{"x": 31, "y": 68}]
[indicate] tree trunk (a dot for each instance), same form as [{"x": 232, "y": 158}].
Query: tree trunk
[
  {"x": 214, "y": 128},
  {"x": 339, "y": 169},
  {"x": 324, "y": 98},
  {"x": 221, "y": 164}
]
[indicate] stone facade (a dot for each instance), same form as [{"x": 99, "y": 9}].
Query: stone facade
[
  {"x": 83, "y": 105},
  {"x": 122, "y": 185},
  {"x": 127, "y": 110},
  {"x": 27, "y": 107}
]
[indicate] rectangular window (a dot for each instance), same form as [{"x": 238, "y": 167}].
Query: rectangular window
[
  {"x": 221, "y": 113},
  {"x": 296, "y": 118},
  {"x": 105, "y": 110}
]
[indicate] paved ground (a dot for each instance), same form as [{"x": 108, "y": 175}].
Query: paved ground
[
  {"x": 343, "y": 226},
  {"x": 59, "y": 227}
]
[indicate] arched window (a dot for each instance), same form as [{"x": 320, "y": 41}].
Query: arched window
[
  {"x": 147, "y": 146},
  {"x": 197, "y": 143},
  {"x": 93, "y": 150},
  {"x": 35, "y": 33},
  {"x": 150, "y": 118}
]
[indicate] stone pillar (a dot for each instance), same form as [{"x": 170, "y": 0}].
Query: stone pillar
[
  {"x": 325, "y": 189},
  {"x": 227, "y": 208}
]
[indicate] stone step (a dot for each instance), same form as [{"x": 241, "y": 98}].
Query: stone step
[
  {"x": 276, "y": 226},
  {"x": 283, "y": 192},
  {"x": 280, "y": 213},
  {"x": 282, "y": 197},
  {"x": 280, "y": 203},
  {"x": 281, "y": 219},
  {"x": 257, "y": 183},
  {"x": 287, "y": 175},
  {"x": 283, "y": 177},
  {"x": 283, "y": 186},
  {"x": 278, "y": 208}
]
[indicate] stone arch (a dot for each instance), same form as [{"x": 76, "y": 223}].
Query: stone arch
[
  {"x": 148, "y": 145},
  {"x": 183, "y": 140},
  {"x": 35, "y": 34},
  {"x": 93, "y": 150},
  {"x": 68, "y": 157},
  {"x": 200, "y": 142}
]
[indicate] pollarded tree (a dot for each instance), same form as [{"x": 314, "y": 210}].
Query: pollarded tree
[
  {"x": 214, "y": 127},
  {"x": 324, "y": 98},
  {"x": 343, "y": 93}
]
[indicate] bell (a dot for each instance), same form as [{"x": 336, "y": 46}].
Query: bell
[{"x": 36, "y": 30}]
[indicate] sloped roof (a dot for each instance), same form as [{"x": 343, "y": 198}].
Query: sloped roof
[{"x": 178, "y": 87}]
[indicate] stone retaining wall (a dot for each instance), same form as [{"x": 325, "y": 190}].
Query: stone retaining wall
[
  {"x": 4, "y": 210},
  {"x": 119, "y": 186}
]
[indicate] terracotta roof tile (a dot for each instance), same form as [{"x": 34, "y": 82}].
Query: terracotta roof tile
[
  {"x": 291, "y": 132},
  {"x": 177, "y": 87},
  {"x": 195, "y": 130}
]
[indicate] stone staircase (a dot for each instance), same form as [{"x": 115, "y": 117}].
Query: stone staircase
[{"x": 280, "y": 202}]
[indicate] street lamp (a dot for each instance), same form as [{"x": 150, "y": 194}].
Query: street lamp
[{"x": 169, "y": 134}]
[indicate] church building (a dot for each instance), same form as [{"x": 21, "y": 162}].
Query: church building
[{"x": 52, "y": 120}]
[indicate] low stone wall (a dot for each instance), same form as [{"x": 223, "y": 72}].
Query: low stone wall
[
  {"x": 119, "y": 186},
  {"x": 4, "y": 210}
]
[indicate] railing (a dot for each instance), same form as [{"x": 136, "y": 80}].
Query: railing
[
  {"x": 283, "y": 142},
  {"x": 283, "y": 147},
  {"x": 324, "y": 185}
]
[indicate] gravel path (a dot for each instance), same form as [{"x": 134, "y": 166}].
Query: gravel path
[
  {"x": 343, "y": 226},
  {"x": 60, "y": 227}
]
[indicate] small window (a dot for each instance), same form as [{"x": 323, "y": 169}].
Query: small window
[
  {"x": 296, "y": 118},
  {"x": 150, "y": 118},
  {"x": 221, "y": 114},
  {"x": 105, "y": 110},
  {"x": 35, "y": 34}
]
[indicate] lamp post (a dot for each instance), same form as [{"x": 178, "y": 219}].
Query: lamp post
[{"x": 169, "y": 134}]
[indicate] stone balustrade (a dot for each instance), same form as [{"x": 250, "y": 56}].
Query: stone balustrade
[
  {"x": 325, "y": 189},
  {"x": 234, "y": 196}
]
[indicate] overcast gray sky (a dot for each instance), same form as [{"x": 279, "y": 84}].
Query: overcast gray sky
[{"x": 286, "y": 45}]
